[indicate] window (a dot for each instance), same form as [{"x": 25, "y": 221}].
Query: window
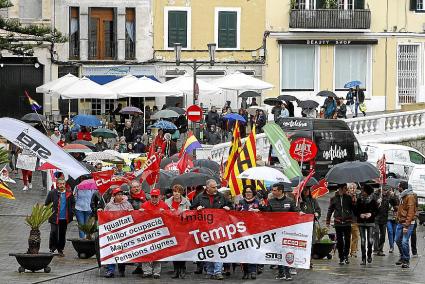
[
  {"x": 420, "y": 5},
  {"x": 102, "y": 31},
  {"x": 96, "y": 106},
  {"x": 346, "y": 4},
  {"x": 130, "y": 34},
  {"x": 416, "y": 158},
  {"x": 30, "y": 9},
  {"x": 351, "y": 63},
  {"x": 177, "y": 26},
  {"x": 74, "y": 33},
  {"x": 227, "y": 28},
  {"x": 298, "y": 67}
]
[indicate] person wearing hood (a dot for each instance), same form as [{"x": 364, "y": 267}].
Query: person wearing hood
[
  {"x": 139, "y": 147},
  {"x": 366, "y": 209},
  {"x": 118, "y": 202},
  {"x": 179, "y": 204},
  {"x": 406, "y": 215}
]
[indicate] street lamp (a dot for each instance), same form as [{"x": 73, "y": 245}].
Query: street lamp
[{"x": 195, "y": 64}]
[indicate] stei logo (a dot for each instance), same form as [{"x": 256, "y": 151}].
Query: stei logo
[
  {"x": 273, "y": 256},
  {"x": 289, "y": 257}
]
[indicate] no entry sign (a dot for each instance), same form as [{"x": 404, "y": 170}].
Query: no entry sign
[
  {"x": 194, "y": 113},
  {"x": 303, "y": 149}
]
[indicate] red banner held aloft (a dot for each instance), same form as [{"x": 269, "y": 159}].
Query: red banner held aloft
[
  {"x": 282, "y": 238},
  {"x": 105, "y": 179}
]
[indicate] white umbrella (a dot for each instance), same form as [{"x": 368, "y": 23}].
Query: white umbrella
[
  {"x": 118, "y": 84},
  {"x": 165, "y": 113},
  {"x": 252, "y": 109},
  {"x": 147, "y": 88},
  {"x": 85, "y": 88},
  {"x": 264, "y": 173},
  {"x": 239, "y": 81},
  {"x": 57, "y": 84},
  {"x": 185, "y": 84}
]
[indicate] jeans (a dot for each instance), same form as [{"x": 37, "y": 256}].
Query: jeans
[
  {"x": 58, "y": 235},
  {"x": 343, "y": 236},
  {"x": 82, "y": 218},
  {"x": 150, "y": 268},
  {"x": 379, "y": 239},
  {"x": 214, "y": 268},
  {"x": 366, "y": 230},
  {"x": 111, "y": 268},
  {"x": 391, "y": 225},
  {"x": 249, "y": 268},
  {"x": 402, "y": 241},
  {"x": 283, "y": 270}
]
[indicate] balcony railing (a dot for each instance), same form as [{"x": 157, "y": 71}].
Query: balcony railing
[{"x": 330, "y": 19}]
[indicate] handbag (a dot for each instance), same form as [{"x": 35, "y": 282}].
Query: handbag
[{"x": 362, "y": 107}]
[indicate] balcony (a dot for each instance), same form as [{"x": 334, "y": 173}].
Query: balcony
[{"x": 330, "y": 19}]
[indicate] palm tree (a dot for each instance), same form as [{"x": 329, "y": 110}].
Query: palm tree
[
  {"x": 4, "y": 156},
  {"x": 39, "y": 215}
]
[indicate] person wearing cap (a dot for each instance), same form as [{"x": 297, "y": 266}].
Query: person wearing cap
[
  {"x": 56, "y": 136},
  {"x": 406, "y": 215},
  {"x": 118, "y": 202},
  {"x": 155, "y": 204},
  {"x": 341, "y": 206},
  {"x": 281, "y": 202}
]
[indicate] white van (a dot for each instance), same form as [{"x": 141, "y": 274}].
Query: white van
[
  {"x": 400, "y": 159},
  {"x": 417, "y": 181}
]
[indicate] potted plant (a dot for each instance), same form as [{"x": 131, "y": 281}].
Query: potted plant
[
  {"x": 34, "y": 260},
  {"x": 86, "y": 248},
  {"x": 421, "y": 215},
  {"x": 323, "y": 245}
]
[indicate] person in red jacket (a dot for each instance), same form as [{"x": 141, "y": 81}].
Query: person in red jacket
[
  {"x": 84, "y": 134},
  {"x": 155, "y": 204}
]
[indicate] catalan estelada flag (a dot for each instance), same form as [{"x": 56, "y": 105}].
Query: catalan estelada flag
[
  {"x": 34, "y": 105},
  {"x": 234, "y": 152},
  {"x": 5, "y": 191},
  {"x": 245, "y": 160},
  {"x": 191, "y": 144}
]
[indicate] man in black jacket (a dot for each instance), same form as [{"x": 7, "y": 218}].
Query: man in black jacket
[
  {"x": 342, "y": 206},
  {"x": 280, "y": 202},
  {"x": 211, "y": 199},
  {"x": 212, "y": 118},
  {"x": 63, "y": 212}
]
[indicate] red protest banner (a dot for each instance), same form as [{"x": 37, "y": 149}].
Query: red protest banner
[
  {"x": 105, "y": 179},
  {"x": 206, "y": 235}
]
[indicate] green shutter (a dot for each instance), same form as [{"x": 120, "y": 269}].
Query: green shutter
[
  {"x": 177, "y": 28},
  {"x": 320, "y": 4},
  {"x": 413, "y": 5},
  {"x": 227, "y": 29},
  {"x": 359, "y": 4}
]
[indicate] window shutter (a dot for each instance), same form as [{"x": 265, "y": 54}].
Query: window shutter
[
  {"x": 359, "y": 4},
  {"x": 177, "y": 28},
  {"x": 413, "y": 5},
  {"x": 227, "y": 29},
  {"x": 320, "y": 4}
]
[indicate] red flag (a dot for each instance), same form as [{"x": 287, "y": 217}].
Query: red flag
[
  {"x": 151, "y": 168},
  {"x": 184, "y": 164},
  {"x": 320, "y": 189},
  {"x": 381, "y": 164},
  {"x": 103, "y": 180},
  {"x": 300, "y": 187}
]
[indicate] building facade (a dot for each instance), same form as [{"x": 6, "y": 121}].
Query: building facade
[
  {"x": 235, "y": 26},
  {"x": 315, "y": 45}
]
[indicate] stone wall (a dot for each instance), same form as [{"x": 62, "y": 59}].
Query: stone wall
[{"x": 417, "y": 144}]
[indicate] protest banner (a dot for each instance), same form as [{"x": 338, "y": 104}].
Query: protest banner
[{"x": 282, "y": 238}]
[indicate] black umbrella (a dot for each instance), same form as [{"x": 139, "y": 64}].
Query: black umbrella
[
  {"x": 310, "y": 104},
  {"x": 287, "y": 98},
  {"x": 205, "y": 163},
  {"x": 179, "y": 110},
  {"x": 164, "y": 182},
  {"x": 296, "y": 180},
  {"x": 394, "y": 182},
  {"x": 327, "y": 94},
  {"x": 85, "y": 143},
  {"x": 166, "y": 161},
  {"x": 249, "y": 94},
  {"x": 191, "y": 179},
  {"x": 207, "y": 171},
  {"x": 352, "y": 172},
  {"x": 33, "y": 117},
  {"x": 272, "y": 101}
]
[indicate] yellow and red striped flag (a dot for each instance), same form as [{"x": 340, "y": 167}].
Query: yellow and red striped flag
[
  {"x": 234, "y": 151},
  {"x": 5, "y": 191},
  {"x": 245, "y": 160}
]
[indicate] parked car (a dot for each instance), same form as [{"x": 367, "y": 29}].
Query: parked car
[
  {"x": 335, "y": 141},
  {"x": 400, "y": 159},
  {"x": 417, "y": 181}
]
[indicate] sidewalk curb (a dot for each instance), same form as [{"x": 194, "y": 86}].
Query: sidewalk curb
[{"x": 65, "y": 275}]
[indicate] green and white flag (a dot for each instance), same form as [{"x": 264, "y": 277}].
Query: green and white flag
[{"x": 281, "y": 147}]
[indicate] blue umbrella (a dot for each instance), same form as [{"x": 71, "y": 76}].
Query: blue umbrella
[
  {"x": 87, "y": 120},
  {"x": 234, "y": 116},
  {"x": 163, "y": 124},
  {"x": 352, "y": 84}
]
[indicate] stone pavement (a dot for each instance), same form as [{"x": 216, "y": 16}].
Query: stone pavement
[{"x": 70, "y": 269}]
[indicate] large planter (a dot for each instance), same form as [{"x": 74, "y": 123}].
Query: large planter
[
  {"x": 421, "y": 217},
  {"x": 84, "y": 248},
  {"x": 33, "y": 262},
  {"x": 322, "y": 250}
]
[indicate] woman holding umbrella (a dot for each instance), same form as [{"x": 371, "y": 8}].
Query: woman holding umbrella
[{"x": 101, "y": 144}]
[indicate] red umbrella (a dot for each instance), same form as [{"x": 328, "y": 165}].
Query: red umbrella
[{"x": 47, "y": 166}]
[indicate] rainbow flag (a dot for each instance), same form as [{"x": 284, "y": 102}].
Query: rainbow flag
[
  {"x": 191, "y": 144},
  {"x": 6, "y": 192},
  {"x": 34, "y": 105}
]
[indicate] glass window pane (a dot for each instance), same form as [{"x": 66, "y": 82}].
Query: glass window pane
[
  {"x": 177, "y": 28},
  {"x": 298, "y": 65},
  {"x": 416, "y": 158},
  {"x": 350, "y": 65}
]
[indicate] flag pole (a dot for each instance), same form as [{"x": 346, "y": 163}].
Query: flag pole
[{"x": 299, "y": 178}]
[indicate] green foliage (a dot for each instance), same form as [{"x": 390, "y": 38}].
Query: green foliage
[
  {"x": 4, "y": 156},
  {"x": 5, "y": 4},
  {"x": 39, "y": 215},
  {"x": 293, "y": 4},
  {"x": 89, "y": 228},
  {"x": 330, "y": 4},
  {"x": 320, "y": 233},
  {"x": 422, "y": 207}
]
